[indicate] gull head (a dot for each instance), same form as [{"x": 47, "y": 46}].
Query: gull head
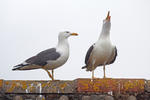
[
  {"x": 66, "y": 34},
  {"x": 106, "y": 22}
]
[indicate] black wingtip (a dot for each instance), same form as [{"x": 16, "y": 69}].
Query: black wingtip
[
  {"x": 17, "y": 67},
  {"x": 14, "y": 69},
  {"x": 83, "y": 67}
]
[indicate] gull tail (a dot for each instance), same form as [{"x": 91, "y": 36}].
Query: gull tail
[
  {"x": 88, "y": 68},
  {"x": 20, "y": 66},
  {"x": 84, "y": 67},
  {"x": 25, "y": 66}
]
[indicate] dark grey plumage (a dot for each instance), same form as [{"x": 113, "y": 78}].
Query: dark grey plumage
[
  {"x": 41, "y": 58},
  {"x": 88, "y": 56},
  {"x": 44, "y": 56}
]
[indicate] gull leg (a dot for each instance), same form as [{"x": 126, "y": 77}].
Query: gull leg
[
  {"x": 53, "y": 73},
  {"x": 104, "y": 71},
  {"x": 93, "y": 70},
  {"x": 49, "y": 74},
  {"x": 92, "y": 74}
]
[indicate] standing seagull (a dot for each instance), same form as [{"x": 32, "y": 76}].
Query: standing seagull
[
  {"x": 102, "y": 52},
  {"x": 49, "y": 59}
]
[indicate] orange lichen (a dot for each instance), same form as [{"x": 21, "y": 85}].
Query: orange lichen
[
  {"x": 1, "y": 83},
  {"x": 44, "y": 84},
  {"x": 24, "y": 85},
  {"x": 106, "y": 85},
  {"x": 31, "y": 87},
  {"x": 62, "y": 86},
  {"x": 12, "y": 87},
  {"x": 54, "y": 89},
  {"x": 49, "y": 84},
  {"x": 83, "y": 85},
  {"x": 6, "y": 83}
]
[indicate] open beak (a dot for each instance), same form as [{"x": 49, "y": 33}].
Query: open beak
[
  {"x": 108, "y": 16},
  {"x": 74, "y": 34}
]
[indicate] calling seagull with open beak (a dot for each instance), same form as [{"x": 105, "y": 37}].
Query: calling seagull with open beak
[
  {"x": 74, "y": 34},
  {"x": 108, "y": 16},
  {"x": 49, "y": 59},
  {"x": 102, "y": 52}
]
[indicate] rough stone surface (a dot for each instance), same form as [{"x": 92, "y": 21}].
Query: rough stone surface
[
  {"x": 2, "y": 98},
  {"x": 131, "y": 98},
  {"x": 79, "y": 85},
  {"x": 110, "y": 85},
  {"x": 109, "y": 98},
  {"x": 143, "y": 96},
  {"x": 85, "y": 97},
  {"x": 17, "y": 86},
  {"x": 97, "y": 97},
  {"x": 63, "y": 98},
  {"x": 147, "y": 86},
  {"x": 52, "y": 97},
  {"x": 17, "y": 98},
  {"x": 121, "y": 96},
  {"x": 40, "y": 97},
  {"x": 68, "y": 90}
]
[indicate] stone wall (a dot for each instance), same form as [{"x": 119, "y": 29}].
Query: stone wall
[{"x": 79, "y": 89}]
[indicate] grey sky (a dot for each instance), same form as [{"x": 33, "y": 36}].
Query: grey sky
[{"x": 30, "y": 26}]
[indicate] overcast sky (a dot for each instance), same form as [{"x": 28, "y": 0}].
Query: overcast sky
[{"x": 30, "y": 26}]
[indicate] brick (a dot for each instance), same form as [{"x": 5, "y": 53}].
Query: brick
[{"x": 110, "y": 85}]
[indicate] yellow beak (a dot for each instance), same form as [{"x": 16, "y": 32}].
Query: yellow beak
[
  {"x": 108, "y": 16},
  {"x": 74, "y": 34}
]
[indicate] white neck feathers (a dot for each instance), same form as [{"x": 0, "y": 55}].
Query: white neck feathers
[{"x": 63, "y": 44}]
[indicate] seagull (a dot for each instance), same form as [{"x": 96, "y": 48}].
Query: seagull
[
  {"x": 102, "y": 52},
  {"x": 49, "y": 59}
]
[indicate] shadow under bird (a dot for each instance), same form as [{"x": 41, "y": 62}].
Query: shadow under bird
[
  {"x": 102, "y": 52},
  {"x": 49, "y": 59}
]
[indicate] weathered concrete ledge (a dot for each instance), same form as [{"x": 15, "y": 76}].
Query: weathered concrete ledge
[{"x": 79, "y": 89}]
